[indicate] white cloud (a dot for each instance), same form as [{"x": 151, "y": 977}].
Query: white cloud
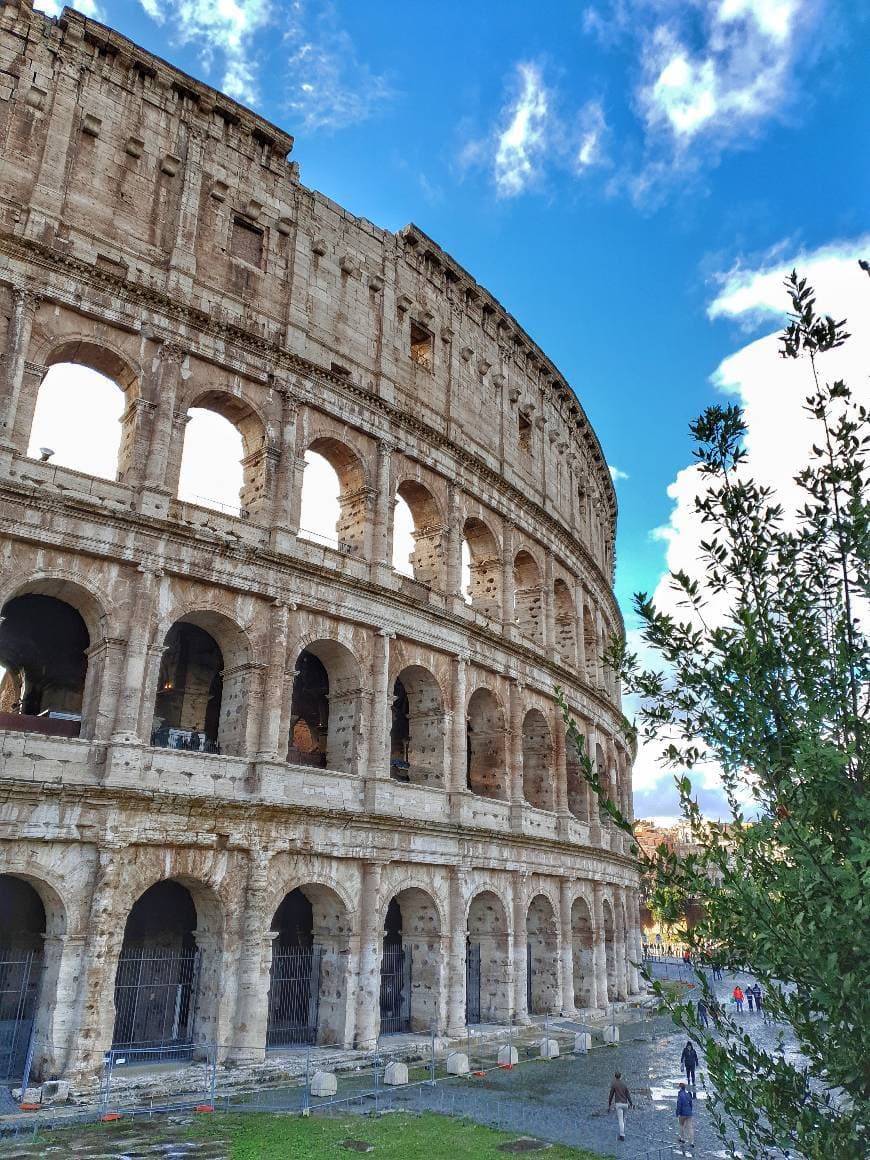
[
  {"x": 225, "y": 27},
  {"x": 86, "y": 7},
  {"x": 327, "y": 85},
  {"x": 521, "y": 143},
  {"x": 616, "y": 473},
  {"x": 593, "y": 126}
]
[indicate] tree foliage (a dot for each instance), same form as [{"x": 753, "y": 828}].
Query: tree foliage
[{"x": 767, "y": 673}]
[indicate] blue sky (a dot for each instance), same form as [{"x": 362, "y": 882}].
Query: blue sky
[{"x": 624, "y": 177}]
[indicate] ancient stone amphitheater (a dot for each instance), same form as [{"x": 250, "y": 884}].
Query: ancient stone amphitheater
[{"x": 259, "y": 788}]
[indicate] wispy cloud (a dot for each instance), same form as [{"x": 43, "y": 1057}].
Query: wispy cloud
[
  {"x": 223, "y": 28},
  {"x": 592, "y": 126},
  {"x": 328, "y": 85},
  {"x": 521, "y": 143},
  {"x": 86, "y": 7},
  {"x": 616, "y": 473}
]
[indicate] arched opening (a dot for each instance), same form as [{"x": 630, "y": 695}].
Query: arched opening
[
  {"x": 424, "y": 540},
  {"x": 411, "y": 964},
  {"x": 565, "y": 621},
  {"x": 487, "y": 970},
  {"x": 69, "y": 391},
  {"x": 484, "y": 568},
  {"x": 543, "y": 965},
  {"x": 224, "y": 461},
  {"x": 323, "y": 709},
  {"x": 582, "y": 954},
  {"x": 44, "y": 644},
  {"x": 578, "y": 790},
  {"x": 528, "y": 596},
  {"x": 308, "y": 985},
  {"x": 610, "y": 950},
  {"x": 22, "y": 936},
  {"x": 538, "y": 788},
  {"x": 417, "y": 730},
  {"x": 161, "y": 984},
  {"x": 336, "y": 505},
  {"x": 486, "y": 770},
  {"x": 604, "y": 778},
  {"x": 190, "y": 692}
]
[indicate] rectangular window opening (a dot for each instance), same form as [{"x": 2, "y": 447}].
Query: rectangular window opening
[
  {"x": 524, "y": 432},
  {"x": 246, "y": 242},
  {"x": 422, "y": 346}
]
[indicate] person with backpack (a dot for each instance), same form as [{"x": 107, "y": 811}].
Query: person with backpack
[
  {"x": 685, "y": 1118},
  {"x": 689, "y": 1063}
]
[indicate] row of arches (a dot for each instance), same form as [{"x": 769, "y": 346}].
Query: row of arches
[
  {"x": 219, "y": 452},
  {"x": 166, "y": 972},
  {"x": 199, "y": 694}
]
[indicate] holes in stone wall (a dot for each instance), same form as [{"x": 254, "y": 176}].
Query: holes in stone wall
[
  {"x": 246, "y": 242},
  {"x": 422, "y": 346}
]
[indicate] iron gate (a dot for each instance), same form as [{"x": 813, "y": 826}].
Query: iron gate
[
  {"x": 294, "y": 996},
  {"x": 472, "y": 983},
  {"x": 396, "y": 990},
  {"x": 155, "y": 998},
  {"x": 19, "y": 998},
  {"x": 529, "y": 978}
]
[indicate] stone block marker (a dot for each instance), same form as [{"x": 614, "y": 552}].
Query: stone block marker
[
  {"x": 610, "y": 1035},
  {"x": 457, "y": 1063},
  {"x": 549, "y": 1049},
  {"x": 396, "y": 1074},
  {"x": 582, "y": 1042},
  {"x": 508, "y": 1055},
  {"x": 324, "y": 1084}
]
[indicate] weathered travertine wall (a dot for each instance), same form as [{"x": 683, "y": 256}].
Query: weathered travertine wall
[{"x": 152, "y": 229}]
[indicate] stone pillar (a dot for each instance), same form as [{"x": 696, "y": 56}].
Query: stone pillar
[
  {"x": 129, "y": 707},
  {"x": 560, "y": 762},
  {"x": 599, "y": 650},
  {"x": 591, "y": 796},
  {"x": 371, "y": 937},
  {"x": 599, "y": 956},
  {"x": 633, "y": 946},
  {"x": 285, "y": 509},
  {"x": 269, "y": 744},
  {"x": 105, "y": 658},
  {"x": 518, "y": 796},
  {"x": 382, "y": 534},
  {"x": 459, "y": 743},
  {"x": 164, "y": 376},
  {"x": 520, "y": 953},
  {"x": 567, "y": 946},
  {"x": 508, "y": 594},
  {"x": 547, "y": 604},
  {"x": 379, "y": 728},
  {"x": 456, "y": 963},
  {"x": 620, "y": 942},
  {"x": 24, "y": 306},
  {"x": 55, "y": 1025},
  {"x": 254, "y": 964},
  {"x": 453, "y": 579},
  {"x": 581, "y": 633}
]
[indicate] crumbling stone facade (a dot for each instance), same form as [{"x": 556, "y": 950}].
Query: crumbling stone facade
[{"x": 235, "y": 709}]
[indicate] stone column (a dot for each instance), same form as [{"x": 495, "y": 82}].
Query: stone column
[
  {"x": 24, "y": 306},
  {"x": 98, "y": 707},
  {"x": 379, "y": 729},
  {"x": 600, "y": 679},
  {"x": 520, "y": 953},
  {"x": 591, "y": 796},
  {"x": 508, "y": 594},
  {"x": 371, "y": 937},
  {"x": 129, "y": 708},
  {"x": 55, "y": 1024},
  {"x": 284, "y": 510},
  {"x": 459, "y": 744},
  {"x": 581, "y": 633},
  {"x": 456, "y": 963},
  {"x": 599, "y": 956},
  {"x": 382, "y": 533},
  {"x": 547, "y": 602},
  {"x": 453, "y": 579},
  {"x": 620, "y": 942},
  {"x": 255, "y": 960},
  {"x": 164, "y": 376},
  {"x": 269, "y": 744},
  {"x": 567, "y": 945},
  {"x": 560, "y": 762},
  {"x": 633, "y": 947},
  {"x": 518, "y": 796}
]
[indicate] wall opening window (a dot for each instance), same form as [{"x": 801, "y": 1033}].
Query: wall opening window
[
  {"x": 211, "y": 463},
  {"x": 403, "y": 538},
  {"x": 418, "y": 534},
  {"x": 524, "y": 432},
  {"x": 422, "y": 346},
  {"x": 334, "y": 507},
  {"x": 246, "y": 242},
  {"x": 78, "y": 418}
]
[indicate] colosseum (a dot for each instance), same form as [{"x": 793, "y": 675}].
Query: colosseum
[{"x": 260, "y": 787}]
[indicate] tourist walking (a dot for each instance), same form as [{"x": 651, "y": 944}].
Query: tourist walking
[
  {"x": 619, "y": 1098},
  {"x": 702, "y": 1013},
  {"x": 737, "y": 995},
  {"x": 685, "y": 1117},
  {"x": 750, "y": 999},
  {"x": 689, "y": 1062}
]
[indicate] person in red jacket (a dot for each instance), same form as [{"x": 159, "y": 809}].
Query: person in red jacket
[{"x": 738, "y": 998}]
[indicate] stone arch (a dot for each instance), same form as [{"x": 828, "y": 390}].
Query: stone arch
[
  {"x": 528, "y": 595},
  {"x": 484, "y": 566},
  {"x": 590, "y": 641},
  {"x": 538, "y": 787},
  {"x": 355, "y": 496},
  {"x": 565, "y": 621},
  {"x": 610, "y": 949},
  {"x": 255, "y": 493},
  {"x": 488, "y": 973},
  {"x": 428, "y": 557},
  {"x": 411, "y": 997},
  {"x": 324, "y": 708},
  {"x": 486, "y": 773},
  {"x": 308, "y": 993},
  {"x": 582, "y": 952},
  {"x": 543, "y": 958},
  {"x": 417, "y": 734},
  {"x": 167, "y": 980},
  {"x": 50, "y": 626}
]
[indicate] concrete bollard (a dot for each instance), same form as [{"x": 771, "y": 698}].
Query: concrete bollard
[
  {"x": 323, "y": 1084},
  {"x": 549, "y": 1049},
  {"x": 582, "y": 1042},
  {"x": 457, "y": 1063},
  {"x": 610, "y": 1034},
  {"x": 396, "y": 1074},
  {"x": 507, "y": 1056}
]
